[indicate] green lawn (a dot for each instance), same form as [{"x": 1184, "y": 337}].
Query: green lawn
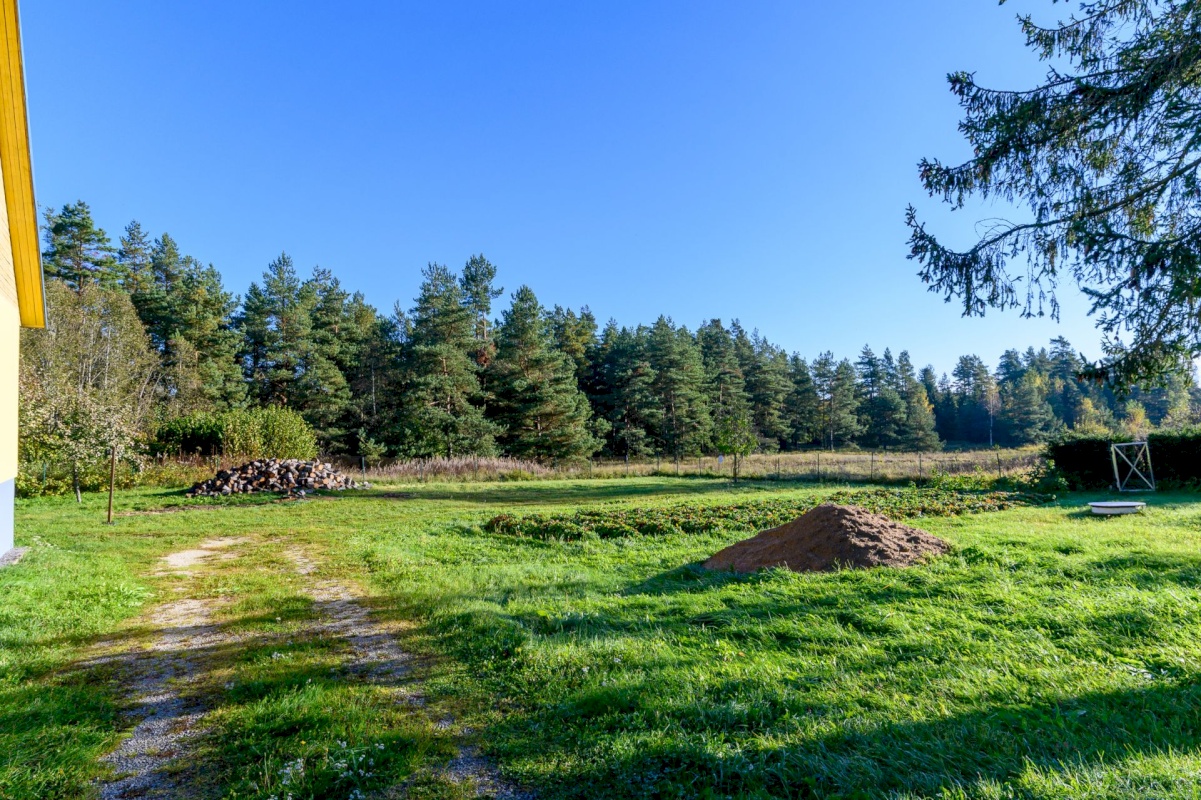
[{"x": 1051, "y": 654}]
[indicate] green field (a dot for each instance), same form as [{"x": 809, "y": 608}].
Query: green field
[{"x": 1051, "y": 654}]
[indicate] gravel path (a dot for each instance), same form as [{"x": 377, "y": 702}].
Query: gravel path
[
  {"x": 377, "y": 657},
  {"x": 167, "y": 719},
  {"x": 146, "y": 764}
]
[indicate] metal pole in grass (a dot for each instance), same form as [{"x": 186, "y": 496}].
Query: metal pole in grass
[{"x": 112, "y": 480}]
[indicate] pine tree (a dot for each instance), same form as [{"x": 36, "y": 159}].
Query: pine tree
[
  {"x": 834, "y": 382},
  {"x": 444, "y": 416},
  {"x": 575, "y": 336},
  {"x": 77, "y": 252},
  {"x": 322, "y": 394},
  {"x": 881, "y": 407},
  {"x": 188, "y": 316},
  {"x": 1025, "y": 417},
  {"x": 543, "y": 414},
  {"x": 133, "y": 259}
]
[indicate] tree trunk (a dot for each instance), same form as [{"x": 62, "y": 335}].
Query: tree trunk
[{"x": 75, "y": 482}]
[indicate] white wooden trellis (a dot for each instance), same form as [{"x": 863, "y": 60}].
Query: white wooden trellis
[{"x": 1132, "y": 467}]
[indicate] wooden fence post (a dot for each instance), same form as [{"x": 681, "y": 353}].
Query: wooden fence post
[{"x": 112, "y": 481}]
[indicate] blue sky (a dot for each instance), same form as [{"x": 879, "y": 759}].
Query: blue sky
[{"x": 695, "y": 159}]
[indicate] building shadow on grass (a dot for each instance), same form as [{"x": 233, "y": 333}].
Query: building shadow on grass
[
  {"x": 659, "y": 733},
  {"x": 169, "y": 672},
  {"x": 955, "y": 754}
]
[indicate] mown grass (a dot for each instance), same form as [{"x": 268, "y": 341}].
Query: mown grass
[{"x": 1051, "y": 654}]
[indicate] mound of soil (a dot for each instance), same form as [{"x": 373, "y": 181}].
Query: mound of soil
[{"x": 830, "y": 537}]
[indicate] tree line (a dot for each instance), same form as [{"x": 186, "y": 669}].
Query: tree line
[{"x": 446, "y": 377}]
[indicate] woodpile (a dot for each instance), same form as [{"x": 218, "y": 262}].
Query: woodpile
[{"x": 290, "y": 475}]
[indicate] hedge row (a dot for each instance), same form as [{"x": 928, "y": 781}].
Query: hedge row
[{"x": 1085, "y": 462}]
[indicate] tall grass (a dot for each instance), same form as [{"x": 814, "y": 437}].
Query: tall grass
[
  {"x": 815, "y": 466},
  {"x": 818, "y": 466}
]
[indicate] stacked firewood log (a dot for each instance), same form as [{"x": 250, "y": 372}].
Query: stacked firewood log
[{"x": 290, "y": 475}]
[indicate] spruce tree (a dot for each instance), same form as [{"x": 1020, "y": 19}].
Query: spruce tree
[
  {"x": 203, "y": 350},
  {"x": 882, "y": 409},
  {"x": 631, "y": 407},
  {"x": 542, "y": 413},
  {"x": 276, "y": 320},
  {"x": 679, "y": 386},
  {"x": 1103, "y": 156},
  {"x": 801, "y": 405},
  {"x": 918, "y": 430},
  {"x": 767, "y": 387},
  {"x": 478, "y": 294}
]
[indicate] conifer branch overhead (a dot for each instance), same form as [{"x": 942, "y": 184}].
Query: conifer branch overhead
[{"x": 1104, "y": 158}]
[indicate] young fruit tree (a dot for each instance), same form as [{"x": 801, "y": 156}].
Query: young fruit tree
[{"x": 87, "y": 381}]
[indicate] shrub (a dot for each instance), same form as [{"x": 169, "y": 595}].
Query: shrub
[
  {"x": 270, "y": 432},
  {"x": 195, "y": 433}
]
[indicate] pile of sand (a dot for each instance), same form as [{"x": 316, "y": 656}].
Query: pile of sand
[{"x": 831, "y": 537}]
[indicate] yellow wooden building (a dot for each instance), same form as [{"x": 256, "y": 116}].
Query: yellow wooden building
[{"x": 22, "y": 302}]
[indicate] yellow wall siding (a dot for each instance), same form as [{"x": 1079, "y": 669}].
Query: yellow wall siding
[
  {"x": 10, "y": 340},
  {"x": 10, "y": 348},
  {"x": 8, "y": 282}
]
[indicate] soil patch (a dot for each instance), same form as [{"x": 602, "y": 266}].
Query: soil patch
[
  {"x": 831, "y": 537},
  {"x": 190, "y": 558}
]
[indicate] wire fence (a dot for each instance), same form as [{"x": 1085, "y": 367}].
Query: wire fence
[{"x": 816, "y": 466}]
